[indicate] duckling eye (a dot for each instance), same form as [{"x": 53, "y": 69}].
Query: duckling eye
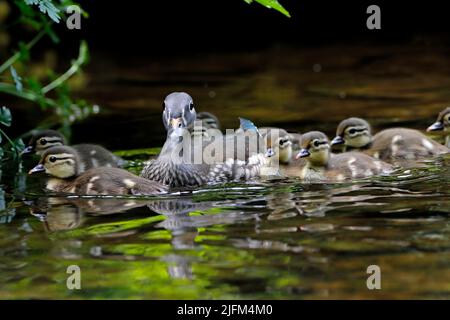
[
  {"x": 191, "y": 106},
  {"x": 447, "y": 118},
  {"x": 52, "y": 159},
  {"x": 316, "y": 143},
  {"x": 281, "y": 142},
  {"x": 352, "y": 131},
  {"x": 43, "y": 142}
]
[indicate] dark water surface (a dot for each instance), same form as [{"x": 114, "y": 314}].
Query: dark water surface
[{"x": 262, "y": 239}]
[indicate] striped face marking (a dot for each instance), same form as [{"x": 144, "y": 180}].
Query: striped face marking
[
  {"x": 357, "y": 136},
  {"x": 45, "y": 143},
  {"x": 62, "y": 165},
  {"x": 319, "y": 151}
]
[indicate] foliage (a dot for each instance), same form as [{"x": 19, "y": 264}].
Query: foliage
[
  {"x": 271, "y": 4},
  {"x": 55, "y": 97},
  {"x": 46, "y": 7}
]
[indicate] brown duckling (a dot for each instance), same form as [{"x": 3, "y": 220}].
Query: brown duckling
[
  {"x": 90, "y": 155},
  {"x": 389, "y": 144},
  {"x": 322, "y": 165},
  {"x": 63, "y": 165},
  {"x": 442, "y": 124}
]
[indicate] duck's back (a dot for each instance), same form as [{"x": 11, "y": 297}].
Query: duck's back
[
  {"x": 115, "y": 181},
  {"x": 355, "y": 165},
  {"x": 94, "y": 156},
  {"x": 402, "y": 143}
]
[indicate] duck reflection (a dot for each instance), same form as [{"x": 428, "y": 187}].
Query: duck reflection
[
  {"x": 59, "y": 214},
  {"x": 184, "y": 217}
]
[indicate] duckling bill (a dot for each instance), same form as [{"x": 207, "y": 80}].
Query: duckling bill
[
  {"x": 63, "y": 166},
  {"x": 442, "y": 124}
]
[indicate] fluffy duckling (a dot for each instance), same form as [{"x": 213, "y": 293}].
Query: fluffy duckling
[
  {"x": 63, "y": 165},
  {"x": 389, "y": 144},
  {"x": 90, "y": 155},
  {"x": 280, "y": 141},
  {"x": 322, "y": 165},
  {"x": 442, "y": 124}
]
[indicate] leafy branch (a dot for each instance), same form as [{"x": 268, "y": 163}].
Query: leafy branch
[
  {"x": 41, "y": 15},
  {"x": 271, "y": 4}
]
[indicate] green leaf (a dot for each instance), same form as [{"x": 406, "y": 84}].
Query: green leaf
[
  {"x": 17, "y": 79},
  {"x": 19, "y": 145},
  {"x": 271, "y": 4},
  {"x": 46, "y": 7},
  {"x": 24, "y": 52},
  {"x": 5, "y": 116}
]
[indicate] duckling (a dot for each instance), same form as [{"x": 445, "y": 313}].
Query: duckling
[
  {"x": 91, "y": 155},
  {"x": 280, "y": 141},
  {"x": 63, "y": 165},
  {"x": 322, "y": 165},
  {"x": 181, "y": 165},
  {"x": 442, "y": 124},
  {"x": 209, "y": 121},
  {"x": 389, "y": 144}
]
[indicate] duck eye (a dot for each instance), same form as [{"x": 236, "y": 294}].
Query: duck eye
[
  {"x": 191, "y": 106},
  {"x": 352, "y": 131},
  {"x": 316, "y": 143},
  {"x": 43, "y": 142},
  {"x": 52, "y": 159},
  {"x": 281, "y": 142}
]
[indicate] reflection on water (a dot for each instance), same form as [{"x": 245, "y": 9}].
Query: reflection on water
[
  {"x": 273, "y": 239},
  {"x": 269, "y": 239}
]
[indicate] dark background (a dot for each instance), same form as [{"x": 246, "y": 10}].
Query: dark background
[
  {"x": 177, "y": 27},
  {"x": 134, "y": 43}
]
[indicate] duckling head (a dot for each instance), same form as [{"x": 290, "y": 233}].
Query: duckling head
[
  {"x": 282, "y": 144},
  {"x": 178, "y": 111},
  {"x": 442, "y": 122},
  {"x": 315, "y": 147},
  {"x": 43, "y": 140},
  {"x": 353, "y": 132},
  {"x": 60, "y": 162}
]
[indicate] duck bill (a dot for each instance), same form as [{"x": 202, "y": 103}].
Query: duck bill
[
  {"x": 302, "y": 154},
  {"x": 337, "y": 140},
  {"x": 176, "y": 123},
  {"x": 27, "y": 150},
  {"x": 38, "y": 169},
  {"x": 437, "y": 126},
  {"x": 269, "y": 153}
]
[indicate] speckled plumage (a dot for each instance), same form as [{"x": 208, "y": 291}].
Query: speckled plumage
[
  {"x": 322, "y": 165},
  {"x": 63, "y": 167},
  {"x": 179, "y": 114}
]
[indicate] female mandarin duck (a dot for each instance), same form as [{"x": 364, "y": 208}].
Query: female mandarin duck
[{"x": 176, "y": 165}]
